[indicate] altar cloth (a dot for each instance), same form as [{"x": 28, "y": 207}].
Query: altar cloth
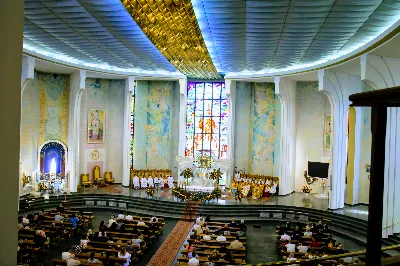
[{"x": 200, "y": 188}]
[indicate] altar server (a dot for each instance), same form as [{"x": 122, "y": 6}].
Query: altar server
[
  {"x": 57, "y": 184},
  {"x": 273, "y": 189},
  {"x": 156, "y": 182},
  {"x": 143, "y": 182},
  {"x": 170, "y": 182},
  {"x": 136, "y": 182},
  {"x": 150, "y": 182}
]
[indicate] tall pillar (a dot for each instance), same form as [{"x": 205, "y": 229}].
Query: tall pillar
[
  {"x": 129, "y": 90},
  {"x": 182, "y": 116},
  {"x": 28, "y": 72},
  {"x": 230, "y": 88},
  {"x": 382, "y": 71},
  {"x": 11, "y": 28},
  {"x": 338, "y": 87},
  {"x": 78, "y": 80},
  {"x": 286, "y": 91},
  {"x": 357, "y": 154}
]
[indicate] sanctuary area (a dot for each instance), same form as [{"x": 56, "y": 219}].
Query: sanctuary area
[{"x": 199, "y": 132}]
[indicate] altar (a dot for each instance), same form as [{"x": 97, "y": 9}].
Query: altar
[{"x": 200, "y": 188}]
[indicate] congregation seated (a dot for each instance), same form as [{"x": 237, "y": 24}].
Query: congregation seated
[
  {"x": 92, "y": 259},
  {"x": 236, "y": 243}
]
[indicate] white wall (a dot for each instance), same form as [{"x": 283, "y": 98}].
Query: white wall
[{"x": 310, "y": 115}]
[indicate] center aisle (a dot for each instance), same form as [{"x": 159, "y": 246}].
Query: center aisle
[{"x": 166, "y": 254}]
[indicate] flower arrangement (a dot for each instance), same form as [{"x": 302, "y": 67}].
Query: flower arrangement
[
  {"x": 42, "y": 187},
  {"x": 216, "y": 175},
  {"x": 306, "y": 189},
  {"x": 25, "y": 179},
  {"x": 187, "y": 173},
  {"x": 150, "y": 191},
  {"x": 183, "y": 195}
]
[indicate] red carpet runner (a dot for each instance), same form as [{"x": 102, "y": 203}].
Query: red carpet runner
[{"x": 166, "y": 254}]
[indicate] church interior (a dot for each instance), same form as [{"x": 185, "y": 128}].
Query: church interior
[{"x": 200, "y": 132}]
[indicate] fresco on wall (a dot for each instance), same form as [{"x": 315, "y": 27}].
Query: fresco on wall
[
  {"x": 54, "y": 99},
  {"x": 157, "y": 127},
  {"x": 96, "y": 125},
  {"x": 264, "y": 132},
  {"x": 327, "y": 132}
]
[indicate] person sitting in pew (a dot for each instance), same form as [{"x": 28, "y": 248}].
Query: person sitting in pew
[
  {"x": 123, "y": 229},
  {"x": 302, "y": 248},
  {"x": 315, "y": 243},
  {"x": 113, "y": 227},
  {"x": 111, "y": 221},
  {"x": 129, "y": 217},
  {"x": 221, "y": 237},
  {"x": 291, "y": 258},
  {"x": 20, "y": 224},
  {"x": 153, "y": 219},
  {"x": 60, "y": 208},
  {"x": 138, "y": 241},
  {"x": 84, "y": 241},
  {"x": 102, "y": 226},
  {"x": 236, "y": 243},
  {"x": 35, "y": 221},
  {"x": 308, "y": 233},
  {"x": 228, "y": 257},
  {"x": 74, "y": 220},
  {"x": 290, "y": 247},
  {"x": 38, "y": 239},
  {"x": 72, "y": 261},
  {"x": 288, "y": 227},
  {"x": 141, "y": 223},
  {"x": 206, "y": 236},
  {"x": 214, "y": 255},
  {"x": 121, "y": 216},
  {"x": 58, "y": 217},
  {"x": 129, "y": 248},
  {"x": 225, "y": 230},
  {"x": 193, "y": 261},
  {"x": 66, "y": 254},
  {"x": 232, "y": 223},
  {"x": 125, "y": 255},
  {"x": 92, "y": 259},
  {"x": 286, "y": 237}
]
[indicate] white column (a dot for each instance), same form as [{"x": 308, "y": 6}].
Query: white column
[
  {"x": 78, "y": 80},
  {"x": 11, "y": 28},
  {"x": 230, "y": 88},
  {"x": 382, "y": 72},
  {"x": 182, "y": 116},
  {"x": 286, "y": 91},
  {"x": 28, "y": 72},
  {"x": 129, "y": 90},
  {"x": 338, "y": 87}
]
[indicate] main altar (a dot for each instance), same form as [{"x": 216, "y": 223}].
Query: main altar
[{"x": 200, "y": 178}]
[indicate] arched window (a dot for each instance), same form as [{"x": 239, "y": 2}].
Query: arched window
[{"x": 206, "y": 120}]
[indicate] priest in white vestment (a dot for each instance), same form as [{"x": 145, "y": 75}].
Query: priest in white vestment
[
  {"x": 136, "y": 182},
  {"x": 143, "y": 182},
  {"x": 170, "y": 182},
  {"x": 150, "y": 182}
]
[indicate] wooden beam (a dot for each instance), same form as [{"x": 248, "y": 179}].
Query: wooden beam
[
  {"x": 375, "y": 206},
  {"x": 389, "y": 97}
]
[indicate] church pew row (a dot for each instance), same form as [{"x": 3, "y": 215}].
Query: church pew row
[{"x": 60, "y": 262}]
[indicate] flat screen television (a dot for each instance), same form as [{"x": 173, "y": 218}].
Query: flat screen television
[{"x": 316, "y": 169}]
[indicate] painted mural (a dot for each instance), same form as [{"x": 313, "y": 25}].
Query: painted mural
[
  {"x": 264, "y": 130},
  {"x": 327, "y": 132},
  {"x": 96, "y": 125},
  {"x": 157, "y": 127},
  {"x": 54, "y": 98}
]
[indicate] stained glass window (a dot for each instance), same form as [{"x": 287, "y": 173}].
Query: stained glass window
[
  {"x": 132, "y": 128},
  {"x": 206, "y": 120}
]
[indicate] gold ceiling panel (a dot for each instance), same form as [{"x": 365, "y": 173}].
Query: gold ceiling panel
[{"x": 171, "y": 26}]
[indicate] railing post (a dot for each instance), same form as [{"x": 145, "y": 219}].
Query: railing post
[{"x": 375, "y": 207}]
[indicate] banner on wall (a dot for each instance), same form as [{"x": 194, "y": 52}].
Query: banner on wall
[{"x": 96, "y": 125}]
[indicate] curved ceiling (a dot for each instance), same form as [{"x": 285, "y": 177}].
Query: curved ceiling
[
  {"x": 242, "y": 36},
  {"x": 96, "y": 34}
]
